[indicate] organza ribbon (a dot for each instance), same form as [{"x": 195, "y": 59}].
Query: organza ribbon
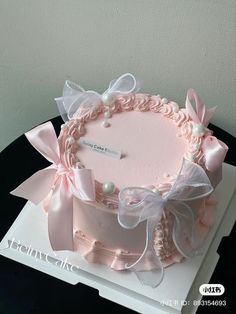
[
  {"x": 59, "y": 180},
  {"x": 77, "y": 103},
  {"x": 139, "y": 204},
  {"x": 213, "y": 149}
]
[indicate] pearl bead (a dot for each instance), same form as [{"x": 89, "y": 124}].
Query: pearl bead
[
  {"x": 175, "y": 107},
  {"x": 108, "y": 187},
  {"x": 107, "y": 99},
  {"x": 155, "y": 190},
  {"x": 62, "y": 126},
  {"x": 164, "y": 101},
  {"x": 70, "y": 140},
  {"x": 107, "y": 114},
  {"x": 105, "y": 124},
  {"x": 118, "y": 252},
  {"x": 198, "y": 130},
  {"x": 196, "y": 146},
  {"x": 95, "y": 243},
  {"x": 191, "y": 158}
]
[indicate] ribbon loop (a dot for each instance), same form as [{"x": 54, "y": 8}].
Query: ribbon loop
[
  {"x": 77, "y": 103},
  {"x": 201, "y": 115},
  {"x": 214, "y": 151},
  {"x": 125, "y": 84}
]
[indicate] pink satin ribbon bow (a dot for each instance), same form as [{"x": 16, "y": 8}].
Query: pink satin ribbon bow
[
  {"x": 61, "y": 181},
  {"x": 213, "y": 149}
]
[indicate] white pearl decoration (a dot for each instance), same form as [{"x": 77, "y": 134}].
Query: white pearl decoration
[
  {"x": 196, "y": 146},
  {"x": 70, "y": 140},
  {"x": 108, "y": 187},
  {"x": 198, "y": 130},
  {"x": 164, "y": 100},
  {"x": 105, "y": 124},
  {"x": 77, "y": 165},
  {"x": 107, "y": 114},
  {"x": 62, "y": 126},
  {"x": 155, "y": 190},
  {"x": 175, "y": 107},
  {"x": 118, "y": 252},
  {"x": 107, "y": 99},
  {"x": 191, "y": 158}
]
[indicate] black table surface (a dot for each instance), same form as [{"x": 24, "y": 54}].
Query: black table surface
[{"x": 25, "y": 290}]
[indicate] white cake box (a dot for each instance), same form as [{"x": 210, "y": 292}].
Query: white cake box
[{"x": 27, "y": 242}]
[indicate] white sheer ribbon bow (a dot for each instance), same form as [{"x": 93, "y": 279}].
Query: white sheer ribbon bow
[
  {"x": 76, "y": 102},
  {"x": 139, "y": 204}
]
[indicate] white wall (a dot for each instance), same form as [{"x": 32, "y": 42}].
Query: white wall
[{"x": 170, "y": 44}]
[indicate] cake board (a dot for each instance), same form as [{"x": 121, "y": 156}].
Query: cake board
[{"x": 181, "y": 282}]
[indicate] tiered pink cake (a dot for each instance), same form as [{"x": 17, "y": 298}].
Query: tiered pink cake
[{"x": 144, "y": 142}]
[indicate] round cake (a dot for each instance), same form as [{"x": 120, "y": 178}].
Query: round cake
[
  {"x": 153, "y": 136},
  {"x": 130, "y": 178}
]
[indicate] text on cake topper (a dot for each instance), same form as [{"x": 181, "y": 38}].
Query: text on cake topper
[{"x": 108, "y": 151}]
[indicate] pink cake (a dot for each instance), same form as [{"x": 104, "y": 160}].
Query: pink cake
[{"x": 130, "y": 183}]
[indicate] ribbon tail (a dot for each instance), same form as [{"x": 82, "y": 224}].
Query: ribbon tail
[
  {"x": 191, "y": 95},
  {"x": 84, "y": 184},
  {"x": 60, "y": 216},
  {"x": 36, "y": 187},
  {"x": 215, "y": 177},
  {"x": 148, "y": 268},
  {"x": 208, "y": 115},
  {"x": 184, "y": 233},
  {"x": 61, "y": 108},
  {"x": 200, "y": 107}
]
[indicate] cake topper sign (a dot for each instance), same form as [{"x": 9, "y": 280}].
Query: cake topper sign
[{"x": 102, "y": 149}]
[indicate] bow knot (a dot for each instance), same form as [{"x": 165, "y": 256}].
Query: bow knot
[
  {"x": 77, "y": 103},
  {"x": 63, "y": 170}
]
